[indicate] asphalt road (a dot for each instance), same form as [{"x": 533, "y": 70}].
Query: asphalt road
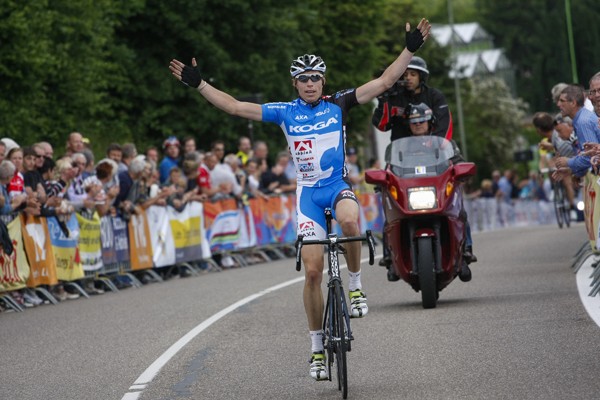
[{"x": 516, "y": 331}]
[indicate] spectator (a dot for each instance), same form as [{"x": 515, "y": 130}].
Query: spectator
[
  {"x": 189, "y": 145},
  {"x": 261, "y": 154},
  {"x": 244, "y": 149},
  {"x": 106, "y": 172},
  {"x": 74, "y": 143},
  {"x": 16, "y": 186},
  {"x": 274, "y": 181},
  {"x": 32, "y": 178},
  {"x": 218, "y": 149},
  {"x": 594, "y": 93},
  {"x": 253, "y": 179},
  {"x": 234, "y": 165},
  {"x": 152, "y": 154},
  {"x": 223, "y": 177},
  {"x": 75, "y": 192},
  {"x": 585, "y": 124},
  {"x": 129, "y": 153},
  {"x": 48, "y": 150},
  {"x": 171, "y": 158},
  {"x": 114, "y": 152},
  {"x": 8, "y": 203},
  {"x": 2, "y": 151},
  {"x": 89, "y": 168}
]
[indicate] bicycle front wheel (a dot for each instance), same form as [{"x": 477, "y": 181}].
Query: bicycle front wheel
[{"x": 340, "y": 338}]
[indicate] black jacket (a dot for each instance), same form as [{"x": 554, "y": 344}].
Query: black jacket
[{"x": 390, "y": 112}]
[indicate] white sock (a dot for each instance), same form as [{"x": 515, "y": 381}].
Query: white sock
[
  {"x": 316, "y": 338},
  {"x": 354, "y": 281}
]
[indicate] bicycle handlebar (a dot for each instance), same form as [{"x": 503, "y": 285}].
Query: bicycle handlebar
[{"x": 368, "y": 237}]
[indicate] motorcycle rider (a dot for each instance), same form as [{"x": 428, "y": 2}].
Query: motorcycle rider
[
  {"x": 422, "y": 122},
  {"x": 391, "y": 113}
]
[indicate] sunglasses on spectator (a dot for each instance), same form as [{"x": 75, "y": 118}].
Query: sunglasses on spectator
[{"x": 313, "y": 78}]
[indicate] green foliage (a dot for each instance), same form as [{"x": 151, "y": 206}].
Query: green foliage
[{"x": 493, "y": 121}]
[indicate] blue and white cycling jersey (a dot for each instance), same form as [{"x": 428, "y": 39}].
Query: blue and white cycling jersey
[{"x": 316, "y": 135}]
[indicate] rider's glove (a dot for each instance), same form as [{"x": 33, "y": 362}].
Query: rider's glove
[
  {"x": 414, "y": 40},
  {"x": 191, "y": 76}
]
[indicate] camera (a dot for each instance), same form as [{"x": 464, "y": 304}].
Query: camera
[{"x": 395, "y": 89}]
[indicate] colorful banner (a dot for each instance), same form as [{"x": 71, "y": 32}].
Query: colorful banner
[
  {"x": 90, "y": 249},
  {"x": 107, "y": 241},
  {"x": 140, "y": 247},
  {"x": 280, "y": 216},
  {"x": 66, "y": 252},
  {"x": 163, "y": 246},
  {"x": 14, "y": 268},
  {"x": 257, "y": 209},
  {"x": 223, "y": 223},
  {"x": 187, "y": 230},
  {"x": 42, "y": 265}
]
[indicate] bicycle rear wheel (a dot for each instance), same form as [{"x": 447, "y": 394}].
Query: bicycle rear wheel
[{"x": 340, "y": 338}]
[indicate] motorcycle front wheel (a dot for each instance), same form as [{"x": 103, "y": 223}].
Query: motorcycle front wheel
[{"x": 426, "y": 268}]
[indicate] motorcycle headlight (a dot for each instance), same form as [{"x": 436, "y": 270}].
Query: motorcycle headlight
[{"x": 421, "y": 198}]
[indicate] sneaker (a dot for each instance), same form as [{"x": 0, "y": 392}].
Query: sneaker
[
  {"x": 31, "y": 297},
  {"x": 59, "y": 293},
  {"x": 358, "y": 304},
  {"x": 318, "y": 370},
  {"x": 385, "y": 262},
  {"x": 72, "y": 296},
  {"x": 391, "y": 276},
  {"x": 468, "y": 255},
  {"x": 465, "y": 273}
]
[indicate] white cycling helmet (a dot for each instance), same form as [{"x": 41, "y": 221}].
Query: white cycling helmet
[{"x": 307, "y": 62}]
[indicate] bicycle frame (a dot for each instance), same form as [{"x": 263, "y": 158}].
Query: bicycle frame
[{"x": 337, "y": 334}]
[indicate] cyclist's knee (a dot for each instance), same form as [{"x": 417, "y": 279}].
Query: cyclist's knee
[
  {"x": 314, "y": 277},
  {"x": 349, "y": 227}
]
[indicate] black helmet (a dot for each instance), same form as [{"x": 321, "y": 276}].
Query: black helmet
[
  {"x": 307, "y": 62},
  {"x": 419, "y": 113},
  {"x": 417, "y": 63}
]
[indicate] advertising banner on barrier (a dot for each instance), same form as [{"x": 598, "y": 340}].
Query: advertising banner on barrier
[
  {"x": 107, "y": 241},
  {"x": 261, "y": 227},
  {"x": 187, "y": 232},
  {"x": 223, "y": 224},
  {"x": 121, "y": 239},
  {"x": 14, "y": 268},
  {"x": 280, "y": 215},
  {"x": 42, "y": 264},
  {"x": 161, "y": 237},
  {"x": 66, "y": 252},
  {"x": 90, "y": 249},
  {"x": 140, "y": 244}
]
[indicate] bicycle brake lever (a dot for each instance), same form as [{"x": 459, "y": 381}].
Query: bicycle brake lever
[{"x": 371, "y": 244}]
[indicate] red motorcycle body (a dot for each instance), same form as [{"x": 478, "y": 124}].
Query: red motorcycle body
[{"x": 422, "y": 193}]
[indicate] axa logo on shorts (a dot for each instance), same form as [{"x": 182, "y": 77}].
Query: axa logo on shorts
[
  {"x": 310, "y": 128},
  {"x": 307, "y": 228}
]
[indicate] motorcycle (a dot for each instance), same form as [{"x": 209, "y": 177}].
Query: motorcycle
[{"x": 422, "y": 193}]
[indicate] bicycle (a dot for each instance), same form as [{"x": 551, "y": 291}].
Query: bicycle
[
  {"x": 336, "y": 319},
  {"x": 562, "y": 207}
]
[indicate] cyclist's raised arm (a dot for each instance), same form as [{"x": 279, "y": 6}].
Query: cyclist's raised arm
[
  {"x": 414, "y": 40},
  {"x": 190, "y": 76}
]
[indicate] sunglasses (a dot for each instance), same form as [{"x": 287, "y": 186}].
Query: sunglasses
[{"x": 313, "y": 78}]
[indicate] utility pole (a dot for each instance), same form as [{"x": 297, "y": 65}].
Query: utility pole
[
  {"x": 459, "y": 109},
  {"x": 571, "y": 41}
]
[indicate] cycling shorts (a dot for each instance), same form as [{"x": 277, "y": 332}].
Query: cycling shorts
[{"x": 312, "y": 202}]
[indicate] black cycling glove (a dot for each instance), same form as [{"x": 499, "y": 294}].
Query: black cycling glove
[
  {"x": 414, "y": 40},
  {"x": 191, "y": 76}
]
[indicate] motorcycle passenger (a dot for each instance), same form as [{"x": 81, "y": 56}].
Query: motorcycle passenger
[
  {"x": 422, "y": 122},
  {"x": 315, "y": 129},
  {"x": 392, "y": 107}
]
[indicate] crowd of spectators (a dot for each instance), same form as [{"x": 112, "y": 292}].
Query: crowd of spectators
[{"x": 43, "y": 181}]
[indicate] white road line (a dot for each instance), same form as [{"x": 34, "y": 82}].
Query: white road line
[
  {"x": 148, "y": 375},
  {"x": 591, "y": 304}
]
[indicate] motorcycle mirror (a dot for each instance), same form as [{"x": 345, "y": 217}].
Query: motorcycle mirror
[
  {"x": 376, "y": 177},
  {"x": 465, "y": 170}
]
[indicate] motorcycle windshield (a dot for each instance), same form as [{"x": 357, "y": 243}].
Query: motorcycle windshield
[{"x": 418, "y": 156}]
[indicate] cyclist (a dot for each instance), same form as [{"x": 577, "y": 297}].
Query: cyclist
[{"x": 314, "y": 126}]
